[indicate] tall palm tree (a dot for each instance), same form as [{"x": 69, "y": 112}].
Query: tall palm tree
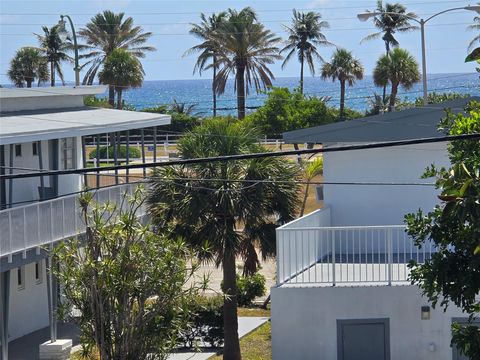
[
  {"x": 208, "y": 49},
  {"x": 311, "y": 169},
  {"x": 245, "y": 49},
  {"x": 106, "y": 32},
  {"x": 399, "y": 69},
  {"x": 122, "y": 69},
  {"x": 346, "y": 68},
  {"x": 389, "y": 24},
  {"x": 475, "y": 27},
  {"x": 54, "y": 50},
  {"x": 305, "y": 35},
  {"x": 28, "y": 65},
  {"x": 209, "y": 214}
]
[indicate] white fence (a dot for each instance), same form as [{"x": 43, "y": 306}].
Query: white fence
[
  {"x": 310, "y": 251},
  {"x": 27, "y": 227}
]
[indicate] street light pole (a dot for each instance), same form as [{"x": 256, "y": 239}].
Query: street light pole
[
  {"x": 61, "y": 25},
  {"x": 367, "y": 15}
]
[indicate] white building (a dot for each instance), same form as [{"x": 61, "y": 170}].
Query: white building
[
  {"x": 45, "y": 128},
  {"x": 342, "y": 277}
]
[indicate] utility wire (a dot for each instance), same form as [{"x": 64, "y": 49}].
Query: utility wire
[{"x": 197, "y": 161}]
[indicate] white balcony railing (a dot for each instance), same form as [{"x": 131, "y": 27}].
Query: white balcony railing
[
  {"x": 309, "y": 251},
  {"x": 42, "y": 223}
]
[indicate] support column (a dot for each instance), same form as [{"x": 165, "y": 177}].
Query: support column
[
  {"x": 127, "y": 171},
  {"x": 143, "y": 153},
  {"x": 115, "y": 155},
  {"x": 84, "y": 161},
  {"x": 52, "y": 299},
  {"x": 4, "y": 309},
  {"x": 98, "y": 160},
  {"x": 155, "y": 145},
  {"x": 10, "y": 181},
  {"x": 3, "y": 194},
  {"x": 40, "y": 166}
]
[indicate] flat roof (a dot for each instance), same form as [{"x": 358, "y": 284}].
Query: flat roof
[
  {"x": 36, "y": 125},
  {"x": 12, "y": 93},
  {"x": 418, "y": 122}
]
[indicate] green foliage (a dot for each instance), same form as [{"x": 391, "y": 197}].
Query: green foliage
[
  {"x": 249, "y": 288},
  {"x": 453, "y": 272},
  {"x": 205, "y": 322},
  {"x": 122, "y": 152},
  {"x": 180, "y": 122},
  {"x": 433, "y": 98},
  {"x": 159, "y": 109},
  {"x": 129, "y": 282},
  {"x": 93, "y": 101},
  {"x": 284, "y": 110},
  {"x": 28, "y": 65}
]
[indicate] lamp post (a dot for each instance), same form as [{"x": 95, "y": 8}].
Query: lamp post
[
  {"x": 63, "y": 34},
  {"x": 367, "y": 15}
]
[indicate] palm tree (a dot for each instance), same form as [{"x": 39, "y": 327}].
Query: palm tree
[
  {"x": 305, "y": 35},
  {"x": 106, "y": 32},
  {"x": 54, "y": 50},
  {"x": 208, "y": 49},
  {"x": 122, "y": 69},
  {"x": 345, "y": 68},
  {"x": 475, "y": 27},
  {"x": 311, "y": 170},
  {"x": 182, "y": 108},
  {"x": 245, "y": 49},
  {"x": 208, "y": 205},
  {"x": 389, "y": 24},
  {"x": 28, "y": 65},
  {"x": 398, "y": 68}
]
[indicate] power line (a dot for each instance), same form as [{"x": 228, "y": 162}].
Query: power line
[{"x": 247, "y": 156}]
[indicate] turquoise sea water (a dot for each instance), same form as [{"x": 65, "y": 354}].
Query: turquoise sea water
[{"x": 198, "y": 92}]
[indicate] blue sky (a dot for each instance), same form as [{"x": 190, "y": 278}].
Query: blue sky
[{"x": 446, "y": 35}]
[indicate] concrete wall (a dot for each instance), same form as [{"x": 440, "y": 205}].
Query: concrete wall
[
  {"x": 41, "y": 102},
  {"x": 28, "y": 306},
  {"x": 380, "y": 205},
  {"x": 304, "y": 321}
]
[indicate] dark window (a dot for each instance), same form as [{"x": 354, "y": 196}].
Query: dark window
[
  {"x": 21, "y": 278},
  {"x": 37, "y": 271},
  {"x": 35, "y": 149},
  {"x": 18, "y": 150}
]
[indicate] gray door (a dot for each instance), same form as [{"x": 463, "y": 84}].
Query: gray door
[{"x": 365, "y": 339}]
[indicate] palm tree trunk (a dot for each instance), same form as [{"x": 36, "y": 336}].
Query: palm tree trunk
[
  {"x": 305, "y": 197},
  {"x": 52, "y": 73},
  {"x": 393, "y": 95},
  {"x": 301, "y": 73},
  {"x": 342, "y": 99},
  {"x": 241, "y": 91},
  {"x": 119, "y": 98},
  {"x": 231, "y": 349},
  {"x": 111, "y": 95},
  {"x": 387, "y": 51},
  {"x": 214, "y": 93}
]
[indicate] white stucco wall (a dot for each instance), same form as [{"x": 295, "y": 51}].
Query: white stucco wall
[
  {"x": 29, "y": 306},
  {"x": 304, "y": 321},
  {"x": 41, "y": 102},
  {"x": 380, "y": 205}
]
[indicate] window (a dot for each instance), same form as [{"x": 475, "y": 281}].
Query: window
[
  {"x": 68, "y": 153},
  {"x": 18, "y": 150},
  {"x": 35, "y": 149},
  {"x": 38, "y": 272},
  {"x": 21, "y": 278}
]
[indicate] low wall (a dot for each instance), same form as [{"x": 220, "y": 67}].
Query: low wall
[{"x": 304, "y": 321}]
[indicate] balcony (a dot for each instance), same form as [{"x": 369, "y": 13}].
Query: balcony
[
  {"x": 32, "y": 226},
  {"x": 310, "y": 252}
]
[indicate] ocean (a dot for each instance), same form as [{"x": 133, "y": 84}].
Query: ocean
[{"x": 198, "y": 92}]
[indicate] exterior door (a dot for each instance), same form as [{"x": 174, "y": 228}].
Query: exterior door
[{"x": 364, "y": 339}]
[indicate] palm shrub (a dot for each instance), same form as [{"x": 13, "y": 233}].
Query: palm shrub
[
  {"x": 345, "y": 68},
  {"x": 122, "y": 69},
  {"x": 106, "y": 32},
  {"x": 245, "y": 49},
  {"x": 304, "y": 37},
  {"x": 54, "y": 50},
  {"x": 28, "y": 65},
  {"x": 399, "y": 69},
  {"x": 108, "y": 152},
  {"x": 207, "y": 204}
]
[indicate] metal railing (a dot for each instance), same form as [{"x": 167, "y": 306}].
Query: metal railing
[
  {"x": 26, "y": 227},
  {"x": 332, "y": 255}
]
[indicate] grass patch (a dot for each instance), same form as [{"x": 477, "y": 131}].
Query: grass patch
[
  {"x": 255, "y": 346},
  {"x": 253, "y": 312}
]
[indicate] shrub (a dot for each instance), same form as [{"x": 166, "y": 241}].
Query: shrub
[
  {"x": 122, "y": 152},
  {"x": 249, "y": 288},
  {"x": 205, "y": 322}
]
